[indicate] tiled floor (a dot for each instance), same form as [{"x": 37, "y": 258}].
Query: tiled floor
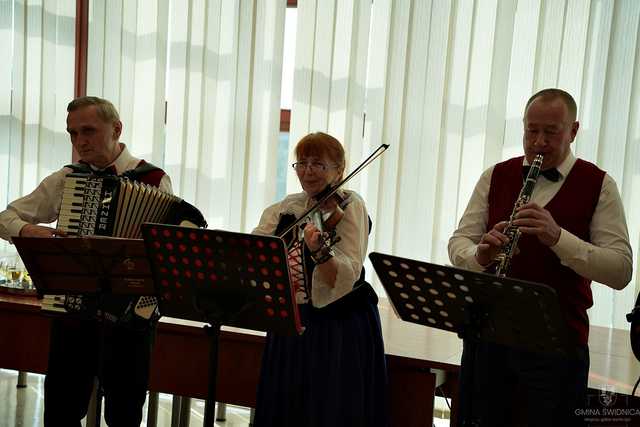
[{"x": 24, "y": 406}]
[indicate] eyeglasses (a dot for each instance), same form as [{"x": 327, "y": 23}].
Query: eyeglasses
[{"x": 312, "y": 166}]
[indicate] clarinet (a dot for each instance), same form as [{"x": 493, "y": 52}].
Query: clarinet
[{"x": 503, "y": 259}]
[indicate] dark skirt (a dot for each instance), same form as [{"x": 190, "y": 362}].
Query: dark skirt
[{"x": 334, "y": 374}]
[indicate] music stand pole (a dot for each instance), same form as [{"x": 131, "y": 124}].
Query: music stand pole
[
  {"x": 222, "y": 278},
  {"x": 104, "y": 286},
  {"x": 213, "y": 331}
]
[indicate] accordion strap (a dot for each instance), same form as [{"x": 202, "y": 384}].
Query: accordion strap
[
  {"x": 80, "y": 168},
  {"x": 140, "y": 171}
]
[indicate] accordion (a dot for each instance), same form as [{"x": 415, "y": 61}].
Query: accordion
[{"x": 113, "y": 206}]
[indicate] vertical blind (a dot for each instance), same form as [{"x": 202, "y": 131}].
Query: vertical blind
[
  {"x": 37, "y": 44},
  {"x": 330, "y": 73},
  {"x": 213, "y": 70},
  {"x": 460, "y": 73},
  {"x": 444, "y": 82}
]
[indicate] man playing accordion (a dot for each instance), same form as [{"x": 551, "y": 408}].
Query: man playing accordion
[{"x": 94, "y": 128}]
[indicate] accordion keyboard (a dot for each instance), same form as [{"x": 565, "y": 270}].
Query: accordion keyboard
[
  {"x": 86, "y": 207},
  {"x": 71, "y": 207}
]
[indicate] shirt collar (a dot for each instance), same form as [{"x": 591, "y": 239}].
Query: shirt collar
[
  {"x": 565, "y": 167},
  {"x": 120, "y": 163}
]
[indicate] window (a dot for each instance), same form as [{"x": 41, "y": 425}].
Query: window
[{"x": 286, "y": 99}]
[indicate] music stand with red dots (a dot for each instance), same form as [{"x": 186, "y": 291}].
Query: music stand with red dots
[
  {"x": 476, "y": 306},
  {"x": 221, "y": 278}
]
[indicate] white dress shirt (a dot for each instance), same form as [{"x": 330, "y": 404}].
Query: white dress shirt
[
  {"x": 606, "y": 259},
  {"x": 43, "y": 204},
  {"x": 350, "y": 251}
]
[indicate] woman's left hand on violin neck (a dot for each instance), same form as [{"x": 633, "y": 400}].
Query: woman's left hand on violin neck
[{"x": 313, "y": 237}]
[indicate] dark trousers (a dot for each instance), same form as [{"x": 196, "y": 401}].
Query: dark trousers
[
  {"x": 74, "y": 362},
  {"x": 500, "y": 386}
]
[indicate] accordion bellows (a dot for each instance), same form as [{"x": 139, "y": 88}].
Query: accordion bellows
[{"x": 111, "y": 206}]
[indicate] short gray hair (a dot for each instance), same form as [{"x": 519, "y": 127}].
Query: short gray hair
[{"x": 106, "y": 111}]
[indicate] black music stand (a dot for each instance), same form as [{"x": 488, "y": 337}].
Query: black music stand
[
  {"x": 221, "y": 278},
  {"x": 476, "y": 306},
  {"x": 88, "y": 266}
]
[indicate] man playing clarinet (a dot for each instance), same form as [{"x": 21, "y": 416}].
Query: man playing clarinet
[{"x": 573, "y": 231}]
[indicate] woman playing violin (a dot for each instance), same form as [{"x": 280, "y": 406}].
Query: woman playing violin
[{"x": 334, "y": 373}]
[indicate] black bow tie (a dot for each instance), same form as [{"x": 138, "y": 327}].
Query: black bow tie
[
  {"x": 109, "y": 170},
  {"x": 551, "y": 174}
]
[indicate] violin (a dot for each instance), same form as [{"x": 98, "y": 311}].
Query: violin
[
  {"x": 327, "y": 216},
  {"x": 328, "y": 211},
  {"x": 325, "y": 219}
]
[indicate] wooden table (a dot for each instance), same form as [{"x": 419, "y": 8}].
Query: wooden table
[{"x": 180, "y": 359}]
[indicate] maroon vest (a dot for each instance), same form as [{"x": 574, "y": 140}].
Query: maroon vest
[
  {"x": 572, "y": 208},
  {"x": 151, "y": 177}
]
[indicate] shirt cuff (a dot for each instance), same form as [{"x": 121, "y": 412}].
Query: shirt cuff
[
  {"x": 14, "y": 227},
  {"x": 567, "y": 248},
  {"x": 323, "y": 294},
  {"x": 470, "y": 261}
]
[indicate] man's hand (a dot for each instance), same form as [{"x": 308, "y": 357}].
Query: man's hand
[
  {"x": 533, "y": 219},
  {"x": 31, "y": 230},
  {"x": 491, "y": 243}
]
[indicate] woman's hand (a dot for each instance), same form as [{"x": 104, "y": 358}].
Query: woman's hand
[{"x": 312, "y": 237}]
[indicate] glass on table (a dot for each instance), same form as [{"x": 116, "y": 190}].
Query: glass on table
[
  {"x": 16, "y": 274},
  {"x": 4, "y": 272},
  {"x": 13, "y": 273},
  {"x": 14, "y": 277}
]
